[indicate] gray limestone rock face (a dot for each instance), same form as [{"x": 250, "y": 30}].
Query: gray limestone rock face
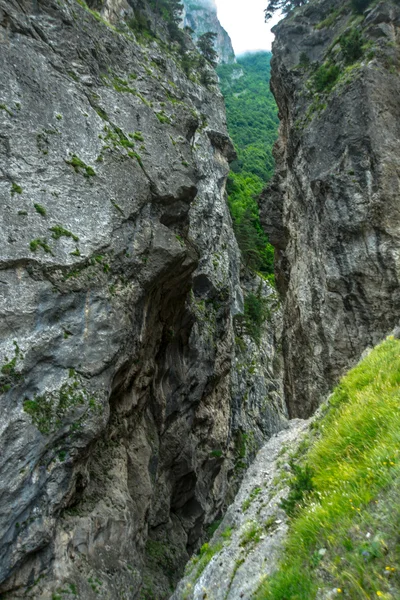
[
  {"x": 248, "y": 544},
  {"x": 201, "y": 16},
  {"x": 332, "y": 208},
  {"x": 122, "y": 386}
]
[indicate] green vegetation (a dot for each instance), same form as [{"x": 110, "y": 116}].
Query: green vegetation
[
  {"x": 115, "y": 138},
  {"x": 325, "y": 77},
  {"x": 15, "y": 189},
  {"x": 352, "y": 45},
  {"x": 162, "y": 117},
  {"x": 40, "y": 243},
  {"x": 330, "y": 19},
  {"x": 253, "y": 127},
  {"x": 216, "y": 453},
  {"x": 344, "y": 533},
  {"x": 300, "y": 485},
  {"x": 256, "y": 311},
  {"x": 253, "y": 494},
  {"x": 168, "y": 10},
  {"x": 281, "y": 5},
  {"x": 80, "y": 166},
  {"x": 6, "y": 109},
  {"x": 40, "y": 209},
  {"x": 47, "y": 411},
  {"x": 205, "y": 44},
  {"x": 251, "y": 535},
  {"x": 59, "y": 231},
  {"x": 9, "y": 376},
  {"x": 207, "y": 552}
]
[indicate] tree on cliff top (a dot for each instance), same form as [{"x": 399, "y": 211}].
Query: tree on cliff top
[{"x": 284, "y": 5}]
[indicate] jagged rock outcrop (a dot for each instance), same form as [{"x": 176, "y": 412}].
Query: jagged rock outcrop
[
  {"x": 126, "y": 402},
  {"x": 201, "y": 17},
  {"x": 332, "y": 209}
]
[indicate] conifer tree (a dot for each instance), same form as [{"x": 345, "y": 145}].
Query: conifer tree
[
  {"x": 205, "y": 44},
  {"x": 284, "y": 5}
]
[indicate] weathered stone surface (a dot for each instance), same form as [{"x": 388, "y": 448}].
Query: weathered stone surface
[
  {"x": 201, "y": 16},
  {"x": 253, "y": 530},
  {"x": 332, "y": 209},
  {"x": 120, "y": 278}
]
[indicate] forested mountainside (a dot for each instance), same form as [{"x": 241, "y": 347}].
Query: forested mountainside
[{"x": 253, "y": 126}]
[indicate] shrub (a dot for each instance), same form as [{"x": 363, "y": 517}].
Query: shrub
[
  {"x": 326, "y": 77},
  {"x": 351, "y": 45},
  {"x": 304, "y": 60},
  {"x": 301, "y": 484},
  {"x": 255, "y": 313}
]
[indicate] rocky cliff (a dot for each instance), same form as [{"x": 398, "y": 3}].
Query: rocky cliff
[
  {"x": 201, "y": 16},
  {"x": 332, "y": 210},
  {"x": 130, "y": 403}
]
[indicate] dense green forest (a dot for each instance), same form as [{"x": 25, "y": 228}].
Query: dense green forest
[{"x": 253, "y": 126}]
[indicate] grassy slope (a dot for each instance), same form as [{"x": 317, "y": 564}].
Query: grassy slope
[
  {"x": 253, "y": 126},
  {"x": 345, "y": 535}
]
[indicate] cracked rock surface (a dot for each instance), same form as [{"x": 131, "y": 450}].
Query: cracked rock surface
[
  {"x": 126, "y": 405},
  {"x": 332, "y": 210}
]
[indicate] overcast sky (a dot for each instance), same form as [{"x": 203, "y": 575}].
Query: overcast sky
[{"x": 244, "y": 21}]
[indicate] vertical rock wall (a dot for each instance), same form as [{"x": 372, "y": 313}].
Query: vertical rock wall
[
  {"x": 126, "y": 403},
  {"x": 332, "y": 210},
  {"x": 201, "y": 16}
]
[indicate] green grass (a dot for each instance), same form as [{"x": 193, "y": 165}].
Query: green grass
[
  {"x": 79, "y": 166},
  {"x": 59, "y": 231},
  {"x": 40, "y": 243},
  {"x": 252, "y": 534},
  {"x": 253, "y": 494},
  {"x": 353, "y": 510}
]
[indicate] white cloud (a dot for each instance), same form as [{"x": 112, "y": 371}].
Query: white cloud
[{"x": 244, "y": 21}]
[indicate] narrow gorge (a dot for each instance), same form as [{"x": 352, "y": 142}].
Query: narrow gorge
[{"x": 154, "y": 383}]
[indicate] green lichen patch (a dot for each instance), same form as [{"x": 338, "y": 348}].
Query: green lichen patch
[{"x": 80, "y": 167}]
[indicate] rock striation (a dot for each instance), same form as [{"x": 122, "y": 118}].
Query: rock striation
[
  {"x": 130, "y": 403},
  {"x": 332, "y": 209},
  {"x": 201, "y": 16}
]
